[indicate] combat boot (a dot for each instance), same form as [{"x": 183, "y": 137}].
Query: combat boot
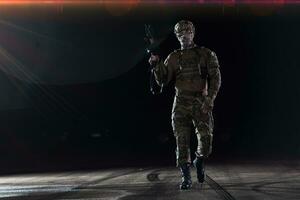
[
  {"x": 186, "y": 180},
  {"x": 199, "y": 165}
]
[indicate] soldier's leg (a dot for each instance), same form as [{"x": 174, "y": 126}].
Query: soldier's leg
[
  {"x": 203, "y": 123},
  {"x": 182, "y": 130}
]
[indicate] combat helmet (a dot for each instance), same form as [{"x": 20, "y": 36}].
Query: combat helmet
[{"x": 184, "y": 25}]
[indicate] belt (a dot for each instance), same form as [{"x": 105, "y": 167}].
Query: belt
[{"x": 189, "y": 93}]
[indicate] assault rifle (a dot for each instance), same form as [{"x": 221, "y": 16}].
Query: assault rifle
[{"x": 152, "y": 49}]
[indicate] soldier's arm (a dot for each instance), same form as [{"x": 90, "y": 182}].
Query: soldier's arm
[
  {"x": 214, "y": 75},
  {"x": 164, "y": 71}
]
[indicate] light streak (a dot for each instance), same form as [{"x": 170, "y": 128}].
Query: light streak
[{"x": 128, "y": 2}]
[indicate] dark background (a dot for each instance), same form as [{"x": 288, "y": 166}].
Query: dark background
[{"x": 75, "y": 88}]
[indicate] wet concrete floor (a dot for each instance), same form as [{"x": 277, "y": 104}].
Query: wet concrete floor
[{"x": 274, "y": 180}]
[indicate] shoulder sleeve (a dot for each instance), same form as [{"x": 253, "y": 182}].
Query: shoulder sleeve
[
  {"x": 164, "y": 71},
  {"x": 214, "y": 74}
]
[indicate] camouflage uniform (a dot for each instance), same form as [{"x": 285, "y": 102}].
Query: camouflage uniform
[{"x": 198, "y": 79}]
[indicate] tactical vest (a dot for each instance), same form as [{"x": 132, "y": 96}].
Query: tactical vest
[
  {"x": 201, "y": 62},
  {"x": 189, "y": 69}
]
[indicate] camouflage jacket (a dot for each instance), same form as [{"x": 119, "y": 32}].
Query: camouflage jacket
[{"x": 195, "y": 69}]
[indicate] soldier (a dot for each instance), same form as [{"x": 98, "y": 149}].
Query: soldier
[{"x": 197, "y": 82}]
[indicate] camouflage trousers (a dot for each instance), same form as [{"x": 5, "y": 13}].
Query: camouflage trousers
[{"x": 187, "y": 116}]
